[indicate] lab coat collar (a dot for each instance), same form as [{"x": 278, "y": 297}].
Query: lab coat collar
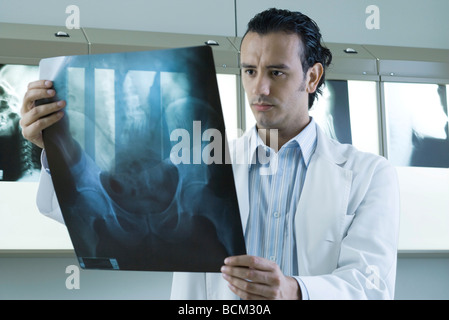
[
  {"x": 305, "y": 140},
  {"x": 327, "y": 151}
]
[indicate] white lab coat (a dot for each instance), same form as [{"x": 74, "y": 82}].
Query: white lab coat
[{"x": 347, "y": 224}]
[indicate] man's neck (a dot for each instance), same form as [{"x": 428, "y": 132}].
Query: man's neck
[{"x": 276, "y": 138}]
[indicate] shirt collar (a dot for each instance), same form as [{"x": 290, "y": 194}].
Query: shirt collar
[{"x": 305, "y": 140}]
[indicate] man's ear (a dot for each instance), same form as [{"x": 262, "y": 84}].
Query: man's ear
[{"x": 314, "y": 75}]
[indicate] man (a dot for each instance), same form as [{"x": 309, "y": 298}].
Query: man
[{"x": 324, "y": 224}]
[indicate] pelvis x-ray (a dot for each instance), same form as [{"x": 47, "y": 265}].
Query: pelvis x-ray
[{"x": 138, "y": 161}]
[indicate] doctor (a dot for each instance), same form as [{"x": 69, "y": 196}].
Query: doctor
[{"x": 324, "y": 224}]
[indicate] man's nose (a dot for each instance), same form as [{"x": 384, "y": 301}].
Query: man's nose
[{"x": 262, "y": 85}]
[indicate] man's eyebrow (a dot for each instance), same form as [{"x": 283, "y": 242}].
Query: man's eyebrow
[
  {"x": 278, "y": 66},
  {"x": 273, "y": 66},
  {"x": 246, "y": 65}
]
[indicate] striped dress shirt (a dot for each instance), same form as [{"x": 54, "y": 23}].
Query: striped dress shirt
[{"x": 274, "y": 197}]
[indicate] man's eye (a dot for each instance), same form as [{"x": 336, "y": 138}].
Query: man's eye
[
  {"x": 277, "y": 73},
  {"x": 249, "y": 72}
]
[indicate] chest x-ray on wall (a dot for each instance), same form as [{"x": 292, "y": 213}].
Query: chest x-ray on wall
[
  {"x": 138, "y": 161},
  {"x": 347, "y": 112},
  {"x": 19, "y": 159},
  {"x": 418, "y": 145},
  {"x": 417, "y": 124},
  {"x": 331, "y": 111}
]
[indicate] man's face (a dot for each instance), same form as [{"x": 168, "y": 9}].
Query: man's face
[{"x": 274, "y": 81}]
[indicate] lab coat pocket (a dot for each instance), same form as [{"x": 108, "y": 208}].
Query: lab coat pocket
[
  {"x": 341, "y": 229},
  {"x": 347, "y": 221}
]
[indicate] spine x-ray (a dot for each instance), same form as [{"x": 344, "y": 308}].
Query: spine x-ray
[
  {"x": 19, "y": 159},
  {"x": 138, "y": 161}
]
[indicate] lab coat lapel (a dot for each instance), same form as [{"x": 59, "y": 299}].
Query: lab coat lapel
[
  {"x": 322, "y": 208},
  {"x": 240, "y": 165},
  {"x": 241, "y": 181}
]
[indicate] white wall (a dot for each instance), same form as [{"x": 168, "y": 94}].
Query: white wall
[
  {"x": 178, "y": 16},
  {"x": 45, "y": 278},
  {"x": 409, "y": 23},
  {"x": 422, "y": 279}
]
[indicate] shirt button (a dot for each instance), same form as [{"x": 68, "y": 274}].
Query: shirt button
[
  {"x": 273, "y": 258},
  {"x": 276, "y": 214}
]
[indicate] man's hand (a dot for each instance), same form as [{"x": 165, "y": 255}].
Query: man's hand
[
  {"x": 255, "y": 278},
  {"x": 37, "y": 118}
]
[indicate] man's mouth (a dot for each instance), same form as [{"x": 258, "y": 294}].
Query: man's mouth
[{"x": 262, "y": 106}]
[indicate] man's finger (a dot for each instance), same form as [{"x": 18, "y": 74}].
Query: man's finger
[
  {"x": 40, "y": 84},
  {"x": 248, "y": 274},
  {"x": 250, "y": 262},
  {"x": 40, "y": 112},
  {"x": 244, "y": 289},
  {"x": 33, "y": 132}
]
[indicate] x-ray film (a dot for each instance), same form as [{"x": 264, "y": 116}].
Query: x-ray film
[
  {"x": 138, "y": 161},
  {"x": 417, "y": 124}
]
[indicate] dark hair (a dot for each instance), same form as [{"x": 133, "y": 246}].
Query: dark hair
[{"x": 293, "y": 22}]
